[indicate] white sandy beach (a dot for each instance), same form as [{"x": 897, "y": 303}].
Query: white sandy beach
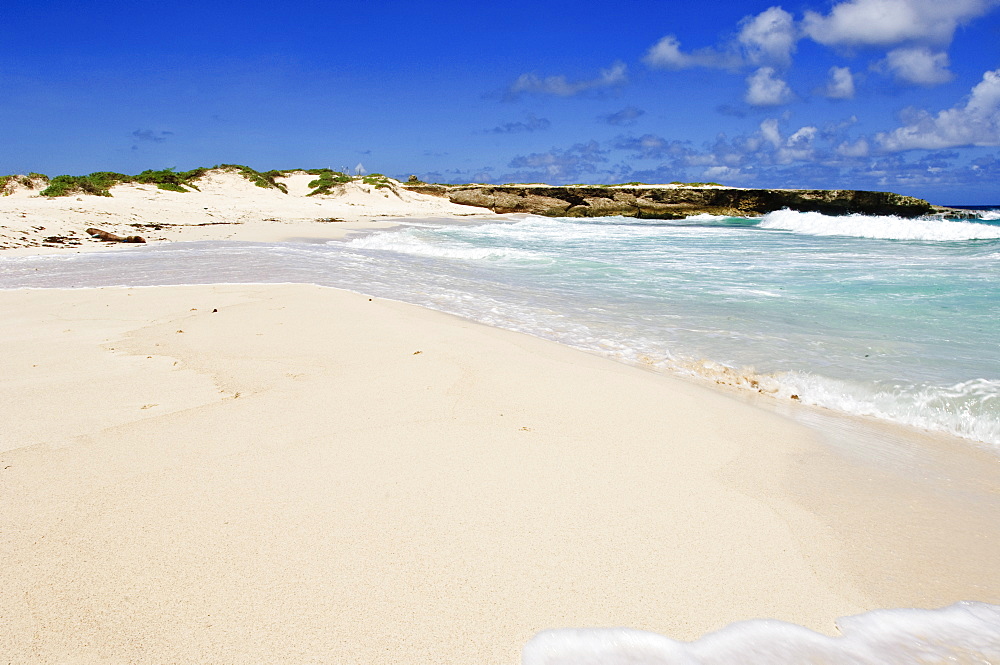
[
  {"x": 226, "y": 207},
  {"x": 297, "y": 474}
]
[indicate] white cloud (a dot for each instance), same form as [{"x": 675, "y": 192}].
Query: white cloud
[
  {"x": 560, "y": 86},
  {"x": 769, "y": 130},
  {"x": 723, "y": 173},
  {"x": 918, "y": 65},
  {"x": 799, "y": 146},
  {"x": 769, "y": 37},
  {"x": 802, "y": 136},
  {"x": 667, "y": 54},
  {"x": 887, "y": 22},
  {"x": 765, "y": 89},
  {"x": 975, "y": 123},
  {"x": 859, "y": 148},
  {"x": 841, "y": 84}
]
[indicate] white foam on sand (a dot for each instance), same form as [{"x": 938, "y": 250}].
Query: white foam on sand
[{"x": 962, "y": 633}]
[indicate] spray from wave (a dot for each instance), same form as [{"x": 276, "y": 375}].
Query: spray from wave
[{"x": 878, "y": 227}]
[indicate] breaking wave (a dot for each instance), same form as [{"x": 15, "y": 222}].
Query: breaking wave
[
  {"x": 878, "y": 227},
  {"x": 408, "y": 242},
  {"x": 969, "y": 409}
]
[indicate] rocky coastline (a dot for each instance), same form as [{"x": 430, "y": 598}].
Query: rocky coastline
[{"x": 672, "y": 201}]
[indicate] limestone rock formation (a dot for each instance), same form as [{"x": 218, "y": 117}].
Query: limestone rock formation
[{"x": 673, "y": 202}]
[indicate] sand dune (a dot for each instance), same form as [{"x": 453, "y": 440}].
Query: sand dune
[{"x": 226, "y": 207}]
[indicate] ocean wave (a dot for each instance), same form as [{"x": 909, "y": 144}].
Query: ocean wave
[
  {"x": 705, "y": 217},
  {"x": 990, "y": 215},
  {"x": 966, "y": 632},
  {"x": 404, "y": 242},
  {"x": 700, "y": 220},
  {"x": 970, "y": 409},
  {"x": 877, "y": 227}
]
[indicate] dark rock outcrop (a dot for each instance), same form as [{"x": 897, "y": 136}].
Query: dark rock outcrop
[
  {"x": 107, "y": 236},
  {"x": 666, "y": 202}
]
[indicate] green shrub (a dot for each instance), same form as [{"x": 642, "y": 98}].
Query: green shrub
[
  {"x": 171, "y": 180},
  {"x": 265, "y": 180},
  {"x": 376, "y": 179},
  {"x": 325, "y": 182},
  {"x": 101, "y": 182},
  {"x": 96, "y": 184},
  {"x": 24, "y": 180}
]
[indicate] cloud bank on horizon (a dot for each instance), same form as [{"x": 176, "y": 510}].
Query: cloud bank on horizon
[
  {"x": 898, "y": 43},
  {"x": 867, "y": 94}
]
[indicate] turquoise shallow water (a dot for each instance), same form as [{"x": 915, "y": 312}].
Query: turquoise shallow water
[{"x": 893, "y": 318}]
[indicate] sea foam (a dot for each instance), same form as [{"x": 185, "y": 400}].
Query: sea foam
[
  {"x": 964, "y": 633},
  {"x": 877, "y": 227},
  {"x": 406, "y": 242}
]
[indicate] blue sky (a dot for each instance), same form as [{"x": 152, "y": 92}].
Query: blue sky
[{"x": 899, "y": 95}]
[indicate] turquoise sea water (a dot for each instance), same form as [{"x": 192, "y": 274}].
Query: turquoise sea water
[{"x": 880, "y": 316}]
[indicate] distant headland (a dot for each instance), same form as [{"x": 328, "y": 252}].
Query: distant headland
[
  {"x": 654, "y": 201},
  {"x": 674, "y": 201}
]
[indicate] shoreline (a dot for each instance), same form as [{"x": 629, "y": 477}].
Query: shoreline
[
  {"x": 260, "y": 480},
  {"x": 370, "y": 218},
  {"x": 715, "y": 376}
]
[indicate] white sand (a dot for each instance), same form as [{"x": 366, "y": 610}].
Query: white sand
[
  {"x": 310, "y": 476},
  {"x": 226, "y": 207}
]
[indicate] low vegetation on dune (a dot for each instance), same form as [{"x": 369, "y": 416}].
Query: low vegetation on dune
[
  {"x": 264, "y": 179},
  {"x": 101, "y": 182},
  {"x": 377, "y": 179},
  {"x": 98, "y": 183},
  {"x": 171, "y": 180},
  {"x": 31, "y": 181},
  {"x": 326, "y": 180}
]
